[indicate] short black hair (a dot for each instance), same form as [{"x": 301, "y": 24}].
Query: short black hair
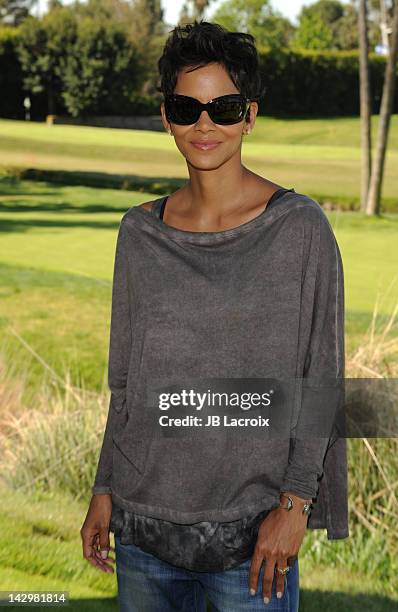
[{"x": 199, "y": 43}]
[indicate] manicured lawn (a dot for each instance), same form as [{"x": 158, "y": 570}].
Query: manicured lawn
[{"x": 320, "y": 157}]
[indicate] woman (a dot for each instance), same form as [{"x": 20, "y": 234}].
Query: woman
[{"x": 237, "y": 279}]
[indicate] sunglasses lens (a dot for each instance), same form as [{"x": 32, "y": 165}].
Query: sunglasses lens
[
  {"x": 225, "y": 110},
  {"x": 182, "y": 111},
  {"x": 228, "y": 111}
]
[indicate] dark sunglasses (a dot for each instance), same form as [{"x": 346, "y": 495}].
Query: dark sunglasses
[{"x": 224, "y": 110}]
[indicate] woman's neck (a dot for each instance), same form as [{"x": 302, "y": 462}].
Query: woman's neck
[{"x": 213, "y": 203}]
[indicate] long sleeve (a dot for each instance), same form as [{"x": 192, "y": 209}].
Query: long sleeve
[
  {"x": 322, "y": 353},
  {"x": 119, "y": 357}
]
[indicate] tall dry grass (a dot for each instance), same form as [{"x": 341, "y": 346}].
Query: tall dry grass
[
  {"x": 372, "y": 547},
  {"x": 54, "y": 444}
]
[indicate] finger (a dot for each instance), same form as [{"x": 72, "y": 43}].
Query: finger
[
  {"x": 268, "y": 578},
  {"x": 100, "y": 564},
  {"x": 98, "y": 556},
  {"x": 97, "y": 562},
  {"x": 88, "y": 542},
  {"x": 104, "y": 563},
  {"x": 255, "y": 567},
  {"x": 104, "y": 542},
  {"x": 97, "y": 546},
  {"x": 280, "y": 578}
]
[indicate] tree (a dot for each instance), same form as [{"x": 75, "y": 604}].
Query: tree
[
  {"x": 191, "y": 10},
  {"x": 313, "y": 33},
  {"x": 81, "y": 56},
  {"x": 42, "y": 45},
  {"x": 13, "y": 12},
  {"x": 144, "y": 22},
  {"x": 384, "y": 25},
  {"x": 147, "y": 20},
  {"x": 327, "y": 24},
  {"x": 380, "y": 21},
  {"x": 346, "y": 32},
  {"x": 376, "y": 178},
  {"x": 257, "y": 17},
  {"x": 365, "y": 103},
  {"x": 99, "y": 69}
]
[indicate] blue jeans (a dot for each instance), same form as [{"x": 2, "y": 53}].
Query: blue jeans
[{"x": 148, "y": 584}]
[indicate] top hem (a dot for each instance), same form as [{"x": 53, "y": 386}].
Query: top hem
[{"x": 269, "y": 502}]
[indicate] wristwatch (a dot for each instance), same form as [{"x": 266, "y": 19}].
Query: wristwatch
[{"x": 307, "y": 507}]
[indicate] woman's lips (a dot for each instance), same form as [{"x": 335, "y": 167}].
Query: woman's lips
[{"x": 205, "y": 146}]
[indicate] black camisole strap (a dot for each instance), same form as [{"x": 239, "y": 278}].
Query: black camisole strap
[
  {"x": 163, "y": 207},
  {"x": 276, "y": 195},
  {"x": 159, "y": 205}
]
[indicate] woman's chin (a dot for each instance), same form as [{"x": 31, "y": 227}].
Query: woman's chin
[{"x": 200, "y": 164}]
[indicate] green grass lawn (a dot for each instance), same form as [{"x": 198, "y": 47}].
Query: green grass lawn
[
  {"x": 320, "y": 157},
  {"x": 44, "y": 551}
]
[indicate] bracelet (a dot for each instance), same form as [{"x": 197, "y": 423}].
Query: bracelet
[{"x": 307, "y": 507}]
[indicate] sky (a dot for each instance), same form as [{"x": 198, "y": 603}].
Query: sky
[{"x": 289, "y": 8}]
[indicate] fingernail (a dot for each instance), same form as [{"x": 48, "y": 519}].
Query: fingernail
[
  {"x": 104, "y": 554},
  {"x": 252, "y": 592},
  {"x": 279, "y": 594},
  {"x": 266, "y": 600}
]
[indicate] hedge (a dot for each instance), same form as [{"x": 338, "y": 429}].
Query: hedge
[{"x": 297, "y": 83}]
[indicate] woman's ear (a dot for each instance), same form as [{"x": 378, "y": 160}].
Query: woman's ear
[
  {"x": 250, "y": 117},
  {"x": 165, "y": 122},
  {"x": 252, "y": 113}
]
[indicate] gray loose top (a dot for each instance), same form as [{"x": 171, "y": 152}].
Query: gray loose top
[
  {"x": 205, "y": 546},
  {"x": 262, "y": 299}
]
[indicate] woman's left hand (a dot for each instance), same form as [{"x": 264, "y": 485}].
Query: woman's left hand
[{"x": 279, "y": 537}]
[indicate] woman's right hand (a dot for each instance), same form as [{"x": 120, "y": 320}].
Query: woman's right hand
[{"x": 95, "y": 533}]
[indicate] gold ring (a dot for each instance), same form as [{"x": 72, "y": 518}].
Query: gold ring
[{"x": 283, "y": 571}]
